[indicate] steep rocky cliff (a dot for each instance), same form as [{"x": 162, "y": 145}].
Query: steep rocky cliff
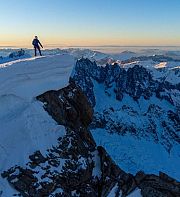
[
  {"x": 75, "y": 165},
  {"x": 137, "y": 84},
  {"x": 135, "y": 115}
]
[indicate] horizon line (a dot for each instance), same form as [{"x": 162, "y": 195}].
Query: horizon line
[{"x": 105, "y": 46}]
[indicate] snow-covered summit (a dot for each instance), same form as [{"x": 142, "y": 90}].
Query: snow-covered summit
[
  {"x": 20, "y": 77},
  {"x": 24, "y": 126}
]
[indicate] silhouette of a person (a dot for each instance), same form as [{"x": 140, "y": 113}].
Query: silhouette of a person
[{"x": 36, "y": 44}]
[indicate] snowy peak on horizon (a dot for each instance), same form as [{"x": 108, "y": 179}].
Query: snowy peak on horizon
[
  {"x": 95, "y": 54},
  {"x": 161, "y": 66}
]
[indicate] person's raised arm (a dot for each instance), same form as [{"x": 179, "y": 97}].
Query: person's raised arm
[{"x": 40, "y": 44}]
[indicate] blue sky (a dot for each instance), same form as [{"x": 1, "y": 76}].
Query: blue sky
[{"x": 90, "y": 22}]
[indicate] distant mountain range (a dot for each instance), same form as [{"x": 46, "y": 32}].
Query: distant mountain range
[{"x": 133, "y": 103}]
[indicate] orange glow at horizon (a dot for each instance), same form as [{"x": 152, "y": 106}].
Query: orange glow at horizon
[
  {"x": 11, "y": 40},
  {"x": 80, "y": 23}
]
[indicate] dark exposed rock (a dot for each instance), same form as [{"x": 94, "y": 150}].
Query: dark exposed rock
[
  {"x": 65, "y": 106},
  {"x": 159, "y": 186},
  {"x": 137, "y": 83},
  {"x": 37, "y": 158},
  {"x": 75, "y": 166},
  {"x": 17, "y": 54}
]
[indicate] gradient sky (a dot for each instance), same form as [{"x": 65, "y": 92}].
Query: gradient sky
[{"x": 90, "y": 22}]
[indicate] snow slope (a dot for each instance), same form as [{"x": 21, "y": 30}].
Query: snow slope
[
  {"x": 169, "y": 71},
  {"x": 24, "y": 125},
  {"x": 132, "y": 153}
]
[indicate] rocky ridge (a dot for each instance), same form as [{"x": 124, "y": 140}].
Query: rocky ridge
[
  {"x": 159, "y": 123},
  {"x": 75, "y": 166}
]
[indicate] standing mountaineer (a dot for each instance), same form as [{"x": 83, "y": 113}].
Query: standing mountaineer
[{"x": 36, "y": 44}]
